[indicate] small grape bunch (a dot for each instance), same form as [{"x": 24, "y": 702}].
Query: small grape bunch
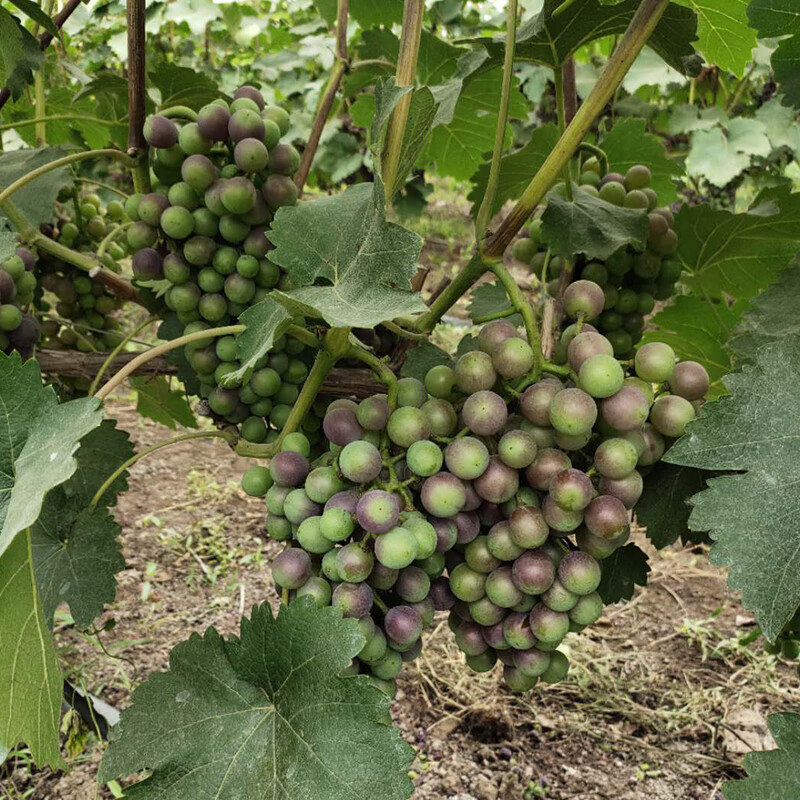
[
  {"x": 463, "y": 495},
  {"x": 200, "y": 241},
  {"x": 632, "y": 281},
  {"x": 19, "y": 329}
]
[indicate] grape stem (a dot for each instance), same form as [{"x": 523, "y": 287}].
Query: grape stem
[
  {"x": 184, "y": 437},
  {"x": 116, "y": 351},
  {"x": 406, "y": 334},
  {"x": 160, "y": 349},
  {"x": 556, "y": 369},
  {"x": 524, "y": 308},
  {"x": 179, "y": 112},
  {"x": 506, "y": 312},
  {"x": 303, "y": 335},
  {"x": 381, "y": 605},
  {"x": 23, "y": 123},
  {"x": 109, "y": 237},
  {"x": 63, "y": 162},
  {"x": 336, "y": 345},
  {"x": 490, "y": 195},
  {"x": 379, "y": 367},
  {"x": 598, "y": 153}
]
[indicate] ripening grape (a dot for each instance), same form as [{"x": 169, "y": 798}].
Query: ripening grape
[
  {"x": 671, "y": 414},
  {"x": 655, "y": 362},
  {"x": 689, "y": 380}
]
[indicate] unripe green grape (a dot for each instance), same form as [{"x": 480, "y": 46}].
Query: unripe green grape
[
  {"x": 501, "y": 589},
  {"x": 517, "y": 449},
  {"x": 615, "y": 458},
  {"x": 279, "y": 116},
  {"x": 336, "y": 524},
  {"x": 375, "y": 647},
  {"x": 439, "y": 381},
  {"x": 512, "y": 358},
  {"x": 251, "y": 155},
  {"x": 559, "y": 598},
  {"x": 601, "y": 376},
  {"x": 141, "y": 235},
  {"x": 613, "y": 192},
  {"x": 397, "y": 548},
  {"x": 579, "y": 573},
  {"x": 475, "y": 372},
  {"x": 278, "y": 528},
  {"x": 587, "y": 610},
  {"x": 524, "y": 250},
  {"x": 411, "y": 392},
  {"x": 239, "y": 289},
  {"x": 671, "y": 414},
  {"x": 440, "y": 417},
  {"x": 557, "y": 669},
  {"x": 233, "y": 229},
  {"x": 655, "y": 362},
  {"x": 478, "y": 557},
  {"x": 353, "y": 562},
  {"x": 373, "y": 413},
  {"x": 501, "y": 543},
  {"x": 360, "y": 462},
  {"x": 254, "y": 429},
  {"x": 443, "y": 495},
  {"x": 466, "y": 584},
  {"x": 425, "y": 535},
  {"x": 571, "y": 489},
  {"x": 284, "y": 160},
  {"x": 517, "y": 632},
  {"x": 199, "y": 250},
  {"x": 494, "y": 333},
  {"x": 424, "y": 458},
  {"x": 407, "y": 425},
  {"x": 245, "y": 123},
  {"x": 212, "y": 307},
  {"x": 272, "y": 133},
  {"x": 548, "y": 625},
  {"x": 238, "y": 196},
  {"x": 573, "y": 412},
  {"x": 268, "y": 274}
]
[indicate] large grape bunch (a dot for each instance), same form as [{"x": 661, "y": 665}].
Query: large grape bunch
[
  {"x": 19, "y": 329},
  {"x": 500, "y": 512},
  {"x": 78, "y": 312},
  {"x": 632, "y": 281},
  {"x": 202, "y": 234}
]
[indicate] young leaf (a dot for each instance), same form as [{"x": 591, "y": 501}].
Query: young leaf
[
  {"x": 772, "y": 774},
  {"x": 591, "y": 226},
  {"x": 366, "y": 262},
  {"x": 698, "y": 331},
  {"x": 736, "y": 254},
  {"x": 156, "y": 400},
  {"x": 772, "y": 317},
  {"x": 628, "y": 143},
  {"x": 38, "y": 440},
  {"x": 30, "y": 680},
  {"x": 264, "y": 716},
  {"x": 421, "y": 358},
  {"x": 753, "y": 517},
  {"x": 623, "y": 570},
  {"x": 20, "y": 54},
  {"x": 75, "y": 551},
  {"x": 664, "y": 505},
  {"x": 489, "y": 298},
  {"x": 516, "y": 170},
  {"x": 714, "y": 158},
  {"x": 780, "y": 18},
  {"x": 265, "y": 322}
]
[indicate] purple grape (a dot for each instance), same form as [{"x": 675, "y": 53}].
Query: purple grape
[
  {"x": 535, "y": 402},
  {"x": 160, "y": 132},
  {"x": 573, "y": 412},
  {"x": 413, "y": 585},
  {"x": 584, "y": 346},
  {"x": 468, "y": 525},
  {"x": 474, "y": 372},
  {"x": 469, "y": 638},
  {"x": 373, "y": 413},
  {"x": 446, "y": 534},
  {"x": 533, "y": 572},
  {"x": 289, "y": 468},
  {"x": 147, "y": 265},
  {"x": 354, "y": 563},
  {"x": 341, "y": 426},
  {"x": 628, "y": 489},
  {"x": 498, "y": 483},
  {"x": 474, "y": 500},
  {"x": 595, "y": 546},
  {"x": 485, "y": 413},
  {"x": 571, "y": 489},
  {"x": 490, "y": 514},
  {"x": 690, "y": 380},
  {"x": 654, "y": 446},
  {"x": 354, "y": 599},
  {"x": 403, "y": 625},
  {"x": 494, "y": 637},
  {"x": 346, "y": 500},
  {"x": 527, "y": 526},
  {"x": 443, "y": 598},
  {"x": 584, "y": 297},
  {"x": 494, "y": 333},
  {"x": 377, "y": 511},
  {"x": 382, "y": 578},
  {"x": 212, "y": 122},
  {"x": 291, "y": 568},
  {"x": 606, "y": 517},
  {"x": 532, "y": 662},
  {"x": 440, "y": 416},
  {"x": 671, "y": 414},
  {"x": 626, "y": 410},
  {"x": 547, "y": 464}
]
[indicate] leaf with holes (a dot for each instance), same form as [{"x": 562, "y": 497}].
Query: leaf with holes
[
  {"x": 753, "y": 517},
  {"x": 365, "y": 262},
  {"x": 771, "y": 774},
  {"x": 156, "y": 400},
  {"x": 623, "y": 571},
  {"x": 265, "y": 716},
  {"x": 589, "y": 225}
]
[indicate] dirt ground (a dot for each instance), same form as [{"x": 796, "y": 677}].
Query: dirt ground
[{"x": 661, "y": 701}]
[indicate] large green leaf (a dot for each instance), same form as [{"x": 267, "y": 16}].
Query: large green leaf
[
  {"x": 586, "y": 224},
  {"x": 38, "y": 440},
  {"x": 726, "y": 39},
  {"x": 36, "y": 198},
  {"x": 753, "y": 517},
  {"x": 30, "y": 681},
  {"x": 698, "y": 331},
  {"x": 780, "y": 19},
  {"x": 624, "y": 570},
  {"x": 551, "y": 40},
  {"x": 370, "y": 13},
  {"x": 664, "y": 505},
  {"x": 75, "y": 550},
  {"x": 157, "y": 400},
  {"x": 628, "y": 143},
  {"x": 714, "y": 157},
  {"x": 773, "y": 316},
  {"x": 516, "y": 169},
  {"x": 772, "y": 774},
  {"x": 182, "y": 86},
  {"x": 344, "y": 241},
  {"x": 20, "y": 54},
  {"x": 34, "y": 12},
  {"x": 264, "y": 716},
  {"x": 423, "y": 357},
  {"x": 737, "y": 254}
]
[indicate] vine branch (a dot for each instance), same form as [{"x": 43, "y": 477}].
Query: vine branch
[{"x": 137, "y": 94}]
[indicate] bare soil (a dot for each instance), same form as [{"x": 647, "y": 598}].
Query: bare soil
[{"x": 661, "y": 701}]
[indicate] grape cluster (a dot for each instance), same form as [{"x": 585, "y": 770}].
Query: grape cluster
[
  {"x": 19, "y": 330},
  {"x": 632, "y": 281},
  {"x": 199, "y": 239},
  {"x": 84, "y": 308},
  {"x": 452, "y": 497}
]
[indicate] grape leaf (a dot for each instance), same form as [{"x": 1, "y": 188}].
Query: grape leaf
[
  {"x": 589, "y": 225},
  {"x": 458, "y": 144},
  {"x": 773, "y": 316},
  {"x": 664, "y": 505},
  {"x": 366, "y": 261},
  {"x": 371, "y": 13},
  {"x": 714, "y": 158},
  {"x": 736, "y": 254},
  {"x": 697, "y": 331},
  {"x": 36, "y": 198},
  {"x": 516, "y": 169},
  {"x": 726, "y": 39},
  {"x": 749, "y": 136},
  {"x": 629, "y": 143},
  {"x": 771, "y": 774},
  {"x": 30, "y": 680},
  {"x": 20, "y": 54},
  {"x": 182, "y": 86},
  {"x": 423, "y": 357},
  {"x": 780, "y": 18},
  {"x": 753, "y": 517},
  {"x": 551, "y": 40},
  {"x": 686, "y": 118},
  {"x": 489, "y": 298},
  {"x": 623, "y": 570},
  {"x": 75, "y": 552},
  {"x": 264, "y": 716},
  {"x": 38, "y": 440},
  {"x": 781, "y": 123},
  {"x": 156, "y": 400}
]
